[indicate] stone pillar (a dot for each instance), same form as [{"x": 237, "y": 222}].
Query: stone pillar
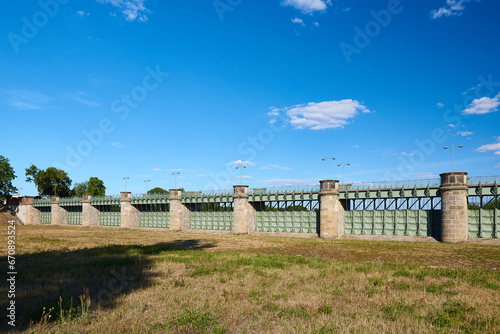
[
  {"x": 55, "y": 218},
  {"x": 90, "y": 215},
  {"x": 180, "y": 216},
  {"x": 243, "y": 215},
  {"x": 331, "y": 212},
  {"x": 130, "y": 216},
  {"x": 454, "y": 210},
  {"x": 33, "y": 215}
]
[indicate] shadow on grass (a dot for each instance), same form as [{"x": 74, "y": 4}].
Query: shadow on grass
[{"x": 107, "y": 272}]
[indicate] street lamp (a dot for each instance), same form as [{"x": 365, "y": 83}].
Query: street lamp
[
  {"x": 175, "y": 177},
  {"x": 453, "y": 154},
  {"x": 240, "y": 168},
  {"x": 126, "y": 178},
  {"x": 343, "y": 168},
  {"x": 147, "y": 185},
  {"x": 328, "y": 159}
]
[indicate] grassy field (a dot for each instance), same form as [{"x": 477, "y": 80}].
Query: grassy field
[{"x": 73, "y": 280}]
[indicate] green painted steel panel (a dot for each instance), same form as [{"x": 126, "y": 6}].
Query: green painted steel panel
[
  {"x": 110, "y": 215},
  {"x": 46, "y": 215},
  {"x": 155, "y": 219},
  {"x": 388, "y": 222},
  {"x": 287, "y": 221},
  {"x": 217, "y": 220},
  {"x": 74, "y": 215},
  {"x": 483, "y": 223}
]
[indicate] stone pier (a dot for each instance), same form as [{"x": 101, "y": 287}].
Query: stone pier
[
  {"x": 244, "y": 213},
  {"x": 130, "y": 216},
  {"x": 180, "y": 216},
  {"x": 454, "y": 210},
  {"x": 331, "y": 212},
  {"x": 91, "y": 217},
  {"x": 33, "y": 215},
  {"x": 54, "y": 208}
]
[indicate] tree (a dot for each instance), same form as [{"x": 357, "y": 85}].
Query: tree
[
  {"x": 50, "y": 181},
  {"x": 6, "y": 177},
  {"x": 93, "y": 186},
  {"x": 158, "y": 190}
]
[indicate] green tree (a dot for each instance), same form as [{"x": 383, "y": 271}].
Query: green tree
[
  {"x": 158, "y": 190},
  {"x": 50, "y": 181},
  {"x": 6, "y": 177},
  {"x": 94, "y": 187}
]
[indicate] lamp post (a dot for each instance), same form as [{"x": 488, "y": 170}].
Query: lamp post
[
  {"x": 126, "y": 178},
  {"x": 343, "y": 169},
  {"x": 175, "y": 178},
  {"x": 328, "y": 159},
  {"x": 147, "y": 185},
  {"x": 453, "y": 154},
  {"x": 240, "y": 168}
]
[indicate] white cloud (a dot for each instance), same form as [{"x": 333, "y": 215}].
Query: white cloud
[
  {"x": 451, "y": 125},
  {"x": 464, "y": 133},
  {"x": 82, "y": 98},
  {"x": 324, "y": 115},
  {"x": 316, "y": 24},
  {"x": 131, "y": 9},
  {"x": 355, "y": 146},
  {"x": 275, "y": 167},
  {"x": 116, "y": 144},
  {"x": 490, "y": 147},
  {"x": 451, "y": 8},
  {"x": 440, "y": 105},
  {"x": 27, "y": 100},
  {"x": 298, "y": 21},
  {"x": 497, "y": 166},
  {"x": 307, "y": 6},
  {"x": 240, "y": 163},
  {"x": 483, "y": 105},
  {"x": 81, "y": 13},
  {"x": 157, "y": 169},
  {"x": 407, "y": 154}
]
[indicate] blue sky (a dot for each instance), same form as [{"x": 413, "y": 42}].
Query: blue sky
[{"x": 139, "y": 89}]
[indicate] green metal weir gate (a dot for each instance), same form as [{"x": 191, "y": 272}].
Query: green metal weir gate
[
  {"x": 214, "y": 213},
  {"x": 295, "y": 212},
  {"x": 74, "y": 208},
  {"x": 109, "y": 209},
  {"x": 154, "y": 211},
  {"x": 45, "y": 207}
]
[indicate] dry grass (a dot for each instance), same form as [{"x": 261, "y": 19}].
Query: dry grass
[{"x": 160, "y": 282}]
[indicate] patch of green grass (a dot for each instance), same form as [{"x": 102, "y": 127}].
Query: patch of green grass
[
  {"x": 326, "y": 309},
  {"x": 191, "y": 320},
  {"x": 452, "y": 314},
  {"x": 300, "y": 312},
  {"x": 201, "y": 271},
  {"x": 398, "y": 309}
]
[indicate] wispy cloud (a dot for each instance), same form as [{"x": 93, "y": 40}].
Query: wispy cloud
[
  {"x": 407, "y": 154},
  {"x": 298, "y": 21},
  {"x": 483, "y": 105},
  {"x": 465, "y": 133},
  {"x": 323, "y": 115},
  {"x": 116, "y": 144},
  {"x": 82, "y": 98},
  {"x": 440, "y": 105},
  {"x": 81, "y": 13},
  {"x": 157, "y": 169},
  {"x": 240, "y": 163},
  {"x": 307, "y": 6},
  {"x": 451, "y": 8},
  {"x": 131, "y": 9},
  {"x": 27, "y": 100},
  {"x": 275, "y": 167}
]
